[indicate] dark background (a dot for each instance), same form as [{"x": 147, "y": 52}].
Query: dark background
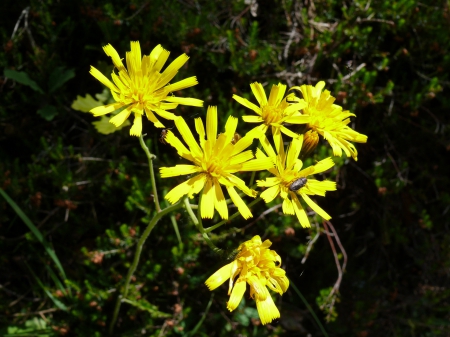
[{"x": 89, "y": 194}]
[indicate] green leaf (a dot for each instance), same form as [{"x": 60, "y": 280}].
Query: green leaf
[
  {"x": 48, "y": 112},
  {"x": 23, "y": 78},
  {"x": 35, "y": 231},
  {"x": 103, "y": 126},
  {"x": 85, "y": 104},
  {"x": 58, "y": 77},
  {"x": 58, "y": 303}
]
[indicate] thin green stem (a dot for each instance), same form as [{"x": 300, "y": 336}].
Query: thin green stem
[
  {"x": 198, "y": 224},
  {"x": 152, "y": 173},
  {"x": 137, "y": 255},
  {"x": 252, "y": 178},
  {"x": 309, "y": 308},
  {"x": 210, "y": 229},
  {"x": 175, "y": 228}
]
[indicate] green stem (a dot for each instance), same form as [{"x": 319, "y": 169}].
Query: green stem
[
  {"x": 210, "y": 229},
  {"x": 137, "y": 255},
  {"x": 198, "y": 224},
  {"x": 252, "y": 179},
  {"x": 150, "y": 158},
  {"x": 309, "y": 308}
]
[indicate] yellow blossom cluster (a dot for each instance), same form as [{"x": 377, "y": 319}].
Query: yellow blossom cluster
[
  {"x": 214, "y": 157},
  {"x": 259, "y": 267}
]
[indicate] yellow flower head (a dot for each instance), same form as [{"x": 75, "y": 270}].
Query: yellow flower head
[
  {"x": 258, "y": 266},
  {"x": 215, "y": 160},
  {"x": 329, "y": 120},
  {"x": 273, "y": 111},
  {"x": 291, "y": 181},
  {"x": 141, "y": 87}
]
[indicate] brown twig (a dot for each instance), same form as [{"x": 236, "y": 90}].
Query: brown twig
[
  {"x": 311, "y": 243},
  {"x": 335, "y": 291}
]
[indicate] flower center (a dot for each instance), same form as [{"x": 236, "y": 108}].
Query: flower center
[{"x": 271, "y": 114}]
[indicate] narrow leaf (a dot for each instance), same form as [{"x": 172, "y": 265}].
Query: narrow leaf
[{"x": 35, "y": 231}]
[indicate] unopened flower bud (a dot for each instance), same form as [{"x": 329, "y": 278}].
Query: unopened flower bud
[{"x": 310, "y": 141}]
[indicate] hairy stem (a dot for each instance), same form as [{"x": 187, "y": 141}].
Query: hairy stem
[
  {"x": 150, "y": 158},
  {"x": 137, "y": 255}
]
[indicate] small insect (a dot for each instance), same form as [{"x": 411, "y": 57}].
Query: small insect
[
  {"x": 235, "y": 138},
  {"x": 162, "y": 137},
  {"x": 298, "y": 184}
]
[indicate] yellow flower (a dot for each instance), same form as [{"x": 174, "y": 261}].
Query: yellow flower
[
  {"x": 273, "y": 111},
  {"x": 290, "y": 180},
  {"x": 329, "y": 120},
  {"x": 215, "y": 160},
  {"x": 142, "y": 88},
  {"x": 260, "y": 268}
]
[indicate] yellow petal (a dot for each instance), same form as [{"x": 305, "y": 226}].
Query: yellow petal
[
  {"x": 178, "y": 145},
  {"x": 240, "y": 204},
  {"x": 252, "y": 119},
  {"x": 271, "y": 193},
  {"x": 299, "y": 119},
  {"x": 323, "y": 165},
  {"x": 111, "y": 52},
  {"x": 185, "y": 101},
  {"x": 300, "y": 212},
  {"x": 258, "y": 289},
  {"x": 106, "y": 109},
  {"x": 267, "y": 147},
  {"x": 197, "y": 183},
  {"x": 219, "y": 277},
  {"x": 178, "y": 170},
  {"x": 257, "y": 164},
  {"x": 288, "y": 132},
  {"x": 231, "y": 125},
  {"x": 172, "y": 69},
  {"x": 315, "y": 207},
  {"x": 241, "y": 157},
  {"x": 177, "y": 192},
  {"x": 288, "y": 208},
  {"x": 207, "y": 203},
  {"x": 164, "y": 114},
  {"x": 103, "y": 79},
  {"x": 247, "y": 104},
  {"x": 136, "y": 129},
  {"x": 118, "y": 119},
  {"x": 152, "y": 118},
  {"x": 267, "y": 310},
  {"x": 188, "y": 137},
  {"x": 269, "y": 182},
  {"x": 236, "y": 295},
  {"x": 200, "y": 128},
  {"x": 276, "y": 94},
  {"x": 211, "y": 124},
  {"x": 183, "y": 84},
  {"x": 260, "y": 94},
  {"x": 219, "y": 201},
  {"x": 293, "y": 153},
  {"x": 242, "y": 144}
]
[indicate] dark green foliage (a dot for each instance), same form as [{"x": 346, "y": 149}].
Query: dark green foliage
[{"x": 90, "y": 197}]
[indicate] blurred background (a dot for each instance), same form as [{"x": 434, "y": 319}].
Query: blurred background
[{"x": 86, "y": 188}]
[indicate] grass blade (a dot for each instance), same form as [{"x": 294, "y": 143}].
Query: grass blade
[
  {"x": 35, "y": 231},
  {"x": 309, "y": 308}
]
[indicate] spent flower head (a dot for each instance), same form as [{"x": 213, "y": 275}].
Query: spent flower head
[
  {"x": 142, "y": 88},
  {"x": 291, "y": 181},
  {"x": 274, "y": 111},
  {"x": 214, "y": 161},
  {"x": 329, "y": 120},
  {"x": 259, "y": 267}
]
